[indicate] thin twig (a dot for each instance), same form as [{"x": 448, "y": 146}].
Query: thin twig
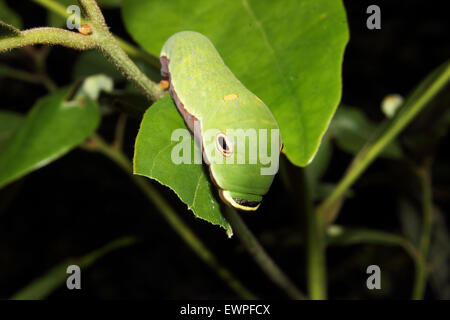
[
  {"x": 425, "y": 92},
  {"x": 120, "y": 132},
  {"x": 261, "y": 257},
  {"x": 420, "y": 281},
  {"x": 28, "y": 77},
  {"x": 97, "y": 144}
]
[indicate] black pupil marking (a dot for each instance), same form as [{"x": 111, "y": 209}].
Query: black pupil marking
[{"x": 223, "y": 144}]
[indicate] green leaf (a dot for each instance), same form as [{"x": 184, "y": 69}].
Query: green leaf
[
  {"x": 10, "y": 122},
  {"x": 52, "y": 128},
  {"x": 9, "y": 16},
  {"x": 152, "y": 159},
  {"x": 42, "y": 287},
  {"x": 352, "y": 130},
  {"x": 288, "y": 52}
]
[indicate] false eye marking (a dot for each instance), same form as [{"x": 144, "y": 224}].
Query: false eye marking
[{"x": 224, "y": 144}]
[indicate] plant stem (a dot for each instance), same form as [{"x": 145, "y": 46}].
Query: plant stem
[
  {"x": 109, "y": 46},
  {"x": 100, "y": 39},
  {"x": 120, "y": 131},
  {"x": 49, "y": 36},
  {"x": 261, "y": 257},
  {"x": 131, "y": 50},
  {"x": 427, "y": 225},
  {"x": 416, "y": 102},
  {"x": 28, "y": 77},
  {"x": 315, "y": 246},
  {"x": 97, "y": 144}
]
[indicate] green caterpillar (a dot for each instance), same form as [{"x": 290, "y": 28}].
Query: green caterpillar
[{"x": 210, "y": 97}]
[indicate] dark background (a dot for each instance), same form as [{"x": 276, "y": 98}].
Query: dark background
[{"x": 82, "y": 201}]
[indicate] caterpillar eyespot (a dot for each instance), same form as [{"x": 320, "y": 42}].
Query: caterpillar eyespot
[{"x": 224, "y": 145}]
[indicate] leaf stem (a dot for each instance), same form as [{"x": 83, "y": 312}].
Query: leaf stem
[
  {"x": 261, "y": 257},
  {"x": 97, "y": 144},
  {"x": 424, "y": 93},
  {"x": 28, "y": 77},
  {"x": 427, "y": 226}
]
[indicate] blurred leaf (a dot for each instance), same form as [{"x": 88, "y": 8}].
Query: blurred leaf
[
  {"x": 131, "y": 103},
  {"x": 9, "y": 16},
  {"x": 409, "y": 221},
  {"x": 323, "y": 189},
  {"x": 390, "y": 104},
  {"x": 423, "y": 138},
  {"x": 152, "y": 159},
  {"x": 439, "y": 258},
  {"x": 92, "y": 86},
  {"x": 51, "y": 129},
  {"x": 288, "y": 52},
  {"x": 109, "y": 3},
  {"x": 93, "y": 62},
  {"x": 386, "y": 133},
  {"x": 7, "y": 30},
  {"x": 352, "y": 130},
  {"x": 42, "y": 287},
  {"x": 10, "y": 122},
  {"x": 337, "y": 235}
]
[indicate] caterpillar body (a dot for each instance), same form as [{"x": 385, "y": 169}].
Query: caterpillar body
[{"x": 209, "y": 97}]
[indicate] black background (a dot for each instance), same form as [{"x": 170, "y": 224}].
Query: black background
[{"x": 83, "y": 201}]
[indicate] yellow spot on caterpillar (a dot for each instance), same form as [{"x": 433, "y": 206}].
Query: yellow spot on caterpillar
[
  {"x": 257, "y": 98},
  {"x": 323, "y": 16},
  {"x": 85, "y": 29},
  {"x": 164, "y": 84},
  {"x": 230, "y": 97}
]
